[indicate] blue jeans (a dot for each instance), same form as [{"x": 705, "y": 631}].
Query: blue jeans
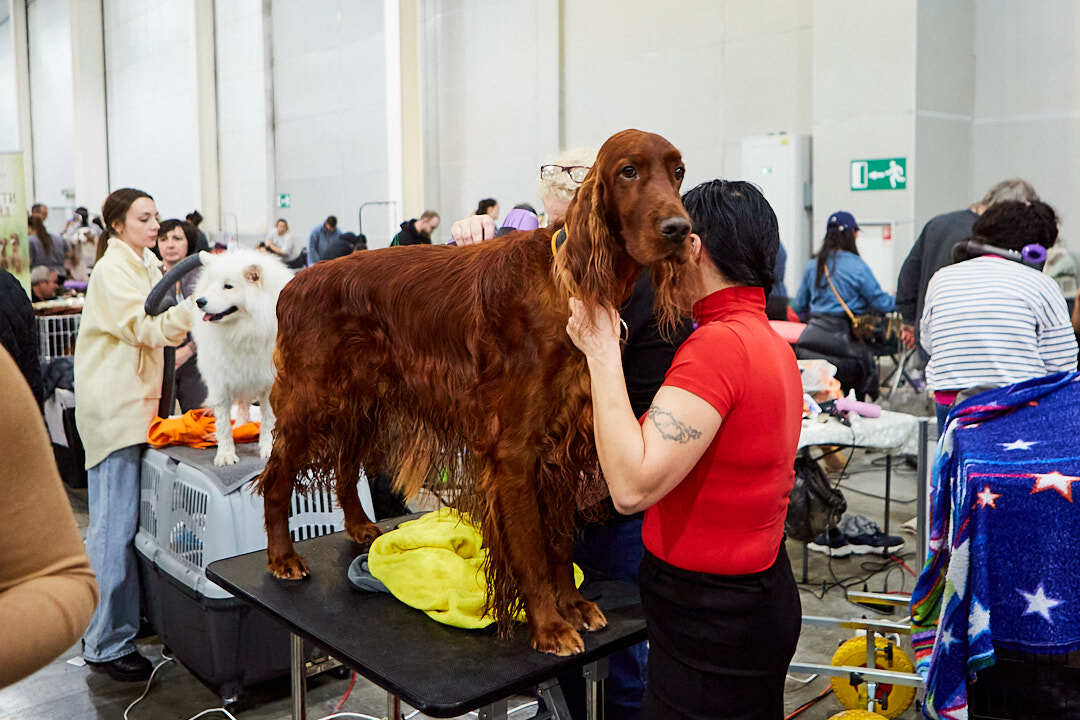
[
  {"x": 613, "y": 552},
  {"x": 113, "y": 492},
  {"x": 942, "y": 414}
]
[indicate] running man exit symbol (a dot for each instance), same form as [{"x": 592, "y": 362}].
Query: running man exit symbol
[{"x": 880, "y": 174}]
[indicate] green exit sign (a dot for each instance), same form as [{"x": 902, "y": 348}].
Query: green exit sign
[
  {"x": 880, "y": 174},
  {"x": 284, "y": 200}
]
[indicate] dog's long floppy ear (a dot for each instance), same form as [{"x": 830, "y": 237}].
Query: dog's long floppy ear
[
  {"x": 585, "y": 264},
  {"x": 253, "y": 274}
]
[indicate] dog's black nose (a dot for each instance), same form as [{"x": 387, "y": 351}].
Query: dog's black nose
[
  {"x": 675, "y": 229},
  {"x": 201, "y": 302}
]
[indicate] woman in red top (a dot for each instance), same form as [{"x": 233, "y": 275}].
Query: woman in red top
[{"x": 711, "y": 464}]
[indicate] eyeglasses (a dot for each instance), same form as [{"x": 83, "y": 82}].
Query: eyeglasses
[{"x": 577, "y": 173}]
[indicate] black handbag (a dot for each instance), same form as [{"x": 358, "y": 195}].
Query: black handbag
[
  {"x": 869, "y": 328},
  {"x": 814, "y": 505}
]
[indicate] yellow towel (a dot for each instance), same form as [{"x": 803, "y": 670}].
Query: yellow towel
[{"x": 435, "y": 564}]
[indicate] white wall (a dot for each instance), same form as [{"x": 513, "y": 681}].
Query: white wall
[
  {"x": 491, "y": 98},
  {"x": 245, "y": 121},
  {"x": 1027, "y": 102},
  {"x": 51, "y": 106},
  {"x": 704, "y": 75},
  {"x": 153, "y": 114},
  {"x": 330, "y": 113},
  {"x": 864, "y": 108},
  {"x": 9, "y": 110}
]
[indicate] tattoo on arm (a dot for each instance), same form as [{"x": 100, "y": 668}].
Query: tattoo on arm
[{"x": 670, "y": 428}]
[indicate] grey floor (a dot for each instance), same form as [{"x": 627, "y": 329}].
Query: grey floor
[{"x": 68, "y": 689}]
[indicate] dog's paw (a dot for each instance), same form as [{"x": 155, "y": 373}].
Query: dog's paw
[
  {"x": 288, "y": 567},
  {"x": 582, "y": 614},
  {"x": 362, "y": 533},
  {"x": 226, "y": 457},
  {"x": 557, "y": 639}
]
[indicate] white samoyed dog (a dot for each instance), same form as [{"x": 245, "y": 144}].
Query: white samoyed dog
[{"x": 235, "y": 328}]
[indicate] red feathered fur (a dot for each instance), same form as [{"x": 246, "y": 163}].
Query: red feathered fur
[{"x": 432, "y": 360}]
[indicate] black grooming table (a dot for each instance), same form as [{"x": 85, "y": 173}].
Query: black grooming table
[{"x": 439, "y": 670}]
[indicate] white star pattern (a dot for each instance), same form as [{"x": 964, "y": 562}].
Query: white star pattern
[
  {"x": 1019, "y": 444},
  {"x": 946, "y": 640},
  {"x": 1039, "y": 603},
  {"x": 959, "y": 713},
  {"x": 978, "y": 620},
  {"x": 988, "y": 497},
  {"x": 1055, "y": 481}
]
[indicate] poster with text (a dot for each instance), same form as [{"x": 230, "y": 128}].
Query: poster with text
[{"x": 14, "y": 249}]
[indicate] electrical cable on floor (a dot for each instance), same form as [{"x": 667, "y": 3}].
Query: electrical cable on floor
[
  {"x": 331, "y": 716},
  {"x": 221, "y": 710},
  {"x": 148, "y": 681},
  {"x": 892, "y": 500},
  {"x": 352, "y": 681},
  {"x": 801, "y": 681},
  {"x": 809, "y": 703}
]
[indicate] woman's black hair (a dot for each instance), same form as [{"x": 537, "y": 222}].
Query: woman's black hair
[
  {"x": 483, "y": 205},
  {"x": 738, "y": 229},
  {"x": 194, "y": 217},
  {"x": 1011, "y": 226},
  {"x": 191, "y": 234},
  {"x": 84, "y": 216},
  {"x": 526, "y": 206},
  {"x": 835, "y": 239}
]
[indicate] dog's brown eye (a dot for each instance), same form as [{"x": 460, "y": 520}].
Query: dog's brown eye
[
  {"x": 227, "y": 286},
  {"x": 629, "y": 172},
  {"x": 679, "y": 172}
]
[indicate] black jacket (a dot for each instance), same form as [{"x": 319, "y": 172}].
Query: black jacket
[
  {"x": 18, "y": 331},
  {"x": 931, "y": 252},
  {"x": 409, "y": 235}
]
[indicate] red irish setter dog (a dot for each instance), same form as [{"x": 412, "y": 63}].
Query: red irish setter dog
[{"x": 453, "y": 366}]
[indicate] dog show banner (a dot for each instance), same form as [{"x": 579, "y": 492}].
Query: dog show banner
[{"x": 14, "y": 248}]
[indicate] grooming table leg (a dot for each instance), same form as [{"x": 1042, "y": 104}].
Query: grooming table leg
[
  {"x": 888, "y": 496},
  {"x": 393, "y": 707},
  {"x": 595, "y": 673},
  {"x": 805, "y": 560},
  {"x": 299, "y": 681},
  {"x": 554, "y": 700},
  {"x": 920, "y": 505},
  {"x": 494, "y": 711}
]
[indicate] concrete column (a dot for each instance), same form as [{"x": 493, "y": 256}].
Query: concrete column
[
  {"x": 22, "y": 85},
  {"x": 88, "y": 91},
  {"x": 412, "y": 127},
  {"x": 206, "y": 98}
]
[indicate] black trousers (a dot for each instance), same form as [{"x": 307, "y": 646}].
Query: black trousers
[{"x": 719, "y": 645}]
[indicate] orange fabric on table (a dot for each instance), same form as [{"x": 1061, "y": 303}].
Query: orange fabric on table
[{"x": 195, "y": 428}]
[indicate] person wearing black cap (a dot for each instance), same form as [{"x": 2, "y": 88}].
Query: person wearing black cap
[{"x": 837, "y": 277}]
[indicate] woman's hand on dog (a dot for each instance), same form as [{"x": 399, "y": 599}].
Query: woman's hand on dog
[
  {"x": 473, "y": 230},
  {"x": 595, "y": 330}
]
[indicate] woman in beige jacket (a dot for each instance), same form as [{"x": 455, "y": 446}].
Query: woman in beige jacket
[{"x": 119, "y": 365}]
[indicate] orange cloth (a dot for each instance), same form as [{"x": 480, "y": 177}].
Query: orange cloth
[{"x": 196, "y": 429}]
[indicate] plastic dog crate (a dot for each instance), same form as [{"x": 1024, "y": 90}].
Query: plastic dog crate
[{"x": 187, "y": 519}]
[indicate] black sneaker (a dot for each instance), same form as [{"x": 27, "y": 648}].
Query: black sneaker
[
  {"x": 865, "y": 537},
  {"x": 832, "y": 543},
  {"x": 132, "y": 667},
  {"x": 876, "y": 543}
]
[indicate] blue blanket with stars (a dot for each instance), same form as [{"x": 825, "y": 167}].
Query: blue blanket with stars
[{"x": 1004, "y": 562}]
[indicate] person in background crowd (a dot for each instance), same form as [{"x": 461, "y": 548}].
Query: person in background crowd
[
  {"x": 522, "y": 217},
  {"x": 490, "y": 207},
  {"x": 202, "y": 244},
  {"x": 612, "y": 549},
  {"x": 47, "y": 589},
  {"x": 281, "y": 242},
  {"x": 40, "y": 210},
  {"x": 933, "y": 251},
  {"x": 19, "y": 334},
  {"x": 81, "y": 238},
  {"x": 344, "y": 244},
  {"x": 320, "y": 239},
  {"x": 721, "y": 606},
  {"x": 417, "y": 231},
  {"x": 43, "y": 283},
  {"x": 45, "y": 248},
  {"x": 836, "y": 277},
  {"x": 176, "y": 240},
  {"x": 119, "y": 367},
  {"x": 989, "y": 321},
  {"x": 1061, "y": 266}
]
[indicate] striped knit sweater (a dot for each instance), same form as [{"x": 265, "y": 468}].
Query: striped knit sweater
[{"x": 990, "y": 321}]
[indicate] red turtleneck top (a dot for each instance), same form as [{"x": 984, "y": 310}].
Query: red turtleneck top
[{"x": 727, "y": 516}]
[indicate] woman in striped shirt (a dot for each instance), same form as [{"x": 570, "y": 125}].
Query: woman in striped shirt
[{"x": 989, "y": 321}]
